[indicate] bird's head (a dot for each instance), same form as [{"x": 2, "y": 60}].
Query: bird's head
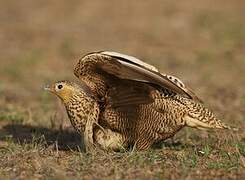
[{"x": 65, "y": 90}]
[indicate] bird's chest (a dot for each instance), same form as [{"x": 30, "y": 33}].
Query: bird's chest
[{"x": 78, "y": 116}]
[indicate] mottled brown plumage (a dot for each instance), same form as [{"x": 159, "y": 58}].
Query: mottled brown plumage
[{"x": 124, "y": 101}]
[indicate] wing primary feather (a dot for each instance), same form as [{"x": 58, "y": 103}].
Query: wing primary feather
[
  {"x": 155, "y": 77},
  {"x": 167, "y": 81},
  {"x": 129, "y": 59}
]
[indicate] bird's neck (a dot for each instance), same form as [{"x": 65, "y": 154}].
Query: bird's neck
[{"x": 66, "y": 96}]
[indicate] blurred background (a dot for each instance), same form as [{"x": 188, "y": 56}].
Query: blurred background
[{"x": 201, "y": 42}]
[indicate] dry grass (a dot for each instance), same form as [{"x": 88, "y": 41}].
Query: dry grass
[{"x": 202, "y": 42}]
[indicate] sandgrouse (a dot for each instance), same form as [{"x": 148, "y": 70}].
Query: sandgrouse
[{"x": 122, "y": 101}]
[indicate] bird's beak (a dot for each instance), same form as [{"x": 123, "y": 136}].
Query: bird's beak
[{"x": 48, "y": 88}]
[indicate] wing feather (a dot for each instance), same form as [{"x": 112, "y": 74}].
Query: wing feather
[{"x": 99, "y": 67}]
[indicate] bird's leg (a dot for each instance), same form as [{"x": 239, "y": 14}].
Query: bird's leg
[
  {"x": 88, "y": 136},
  {"x": 89, "y": 127}
]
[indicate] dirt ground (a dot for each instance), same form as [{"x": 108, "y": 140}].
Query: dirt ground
[{"x": 201, "y": 42}]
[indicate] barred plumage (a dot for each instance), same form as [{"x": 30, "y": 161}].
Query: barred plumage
[{"x": 123, "y": 101}]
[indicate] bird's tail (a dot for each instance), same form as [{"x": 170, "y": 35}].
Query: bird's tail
[
  {"x": 211, "y": 124},
  {"x": 200, "y": 117}
]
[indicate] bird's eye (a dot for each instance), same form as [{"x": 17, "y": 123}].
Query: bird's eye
[{"x": 60, "y": 86}]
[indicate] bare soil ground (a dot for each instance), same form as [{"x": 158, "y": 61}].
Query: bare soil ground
[{"x": 202, "y": 42}]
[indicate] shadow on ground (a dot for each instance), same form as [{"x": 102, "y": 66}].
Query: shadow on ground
[{"x": 66, "y": 140}]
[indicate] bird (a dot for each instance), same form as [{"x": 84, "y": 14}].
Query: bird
[
  {"x": 122, "y": 101},
  {"x": 83, "y": 111}
]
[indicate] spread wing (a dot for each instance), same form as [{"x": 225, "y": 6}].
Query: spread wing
[
  {"x": 100, "y": 69},
  {"x": 97, "y": 69}
]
